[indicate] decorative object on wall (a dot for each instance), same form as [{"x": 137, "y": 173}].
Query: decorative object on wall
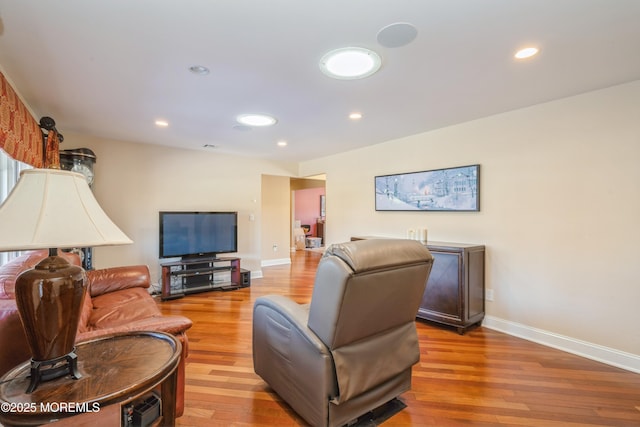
[
  {"x": 322, "y": 206},
  {"x": 450, "y": 189},
  {"x": 79, "y": 160}
]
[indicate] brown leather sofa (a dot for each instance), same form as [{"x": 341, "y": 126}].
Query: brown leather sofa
[
  {"x": 117, "y": 300},
  {"x": 351, "y": 350}
]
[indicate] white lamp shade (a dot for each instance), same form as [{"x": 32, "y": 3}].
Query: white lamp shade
[{"x": 52, "y": 208}]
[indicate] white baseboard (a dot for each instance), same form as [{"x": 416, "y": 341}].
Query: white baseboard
[
  {"x": 279, "y": 261},
  {"x": 610, "y": 356}
]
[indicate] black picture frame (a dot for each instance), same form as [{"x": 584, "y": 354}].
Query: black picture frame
[{"x": 455, "y": 189}]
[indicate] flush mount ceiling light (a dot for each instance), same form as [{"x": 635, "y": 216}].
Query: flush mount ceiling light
[
  {"x": 527, "y": 52},
  {"x": 162, "y": 123},
  {"x": 282, "y": 143},
  {"x": 350, "y": 63},
  {"x": 257, "y": 120},
  {"x": 355, "y": 116},
  {"x": 199, "y": 70}
]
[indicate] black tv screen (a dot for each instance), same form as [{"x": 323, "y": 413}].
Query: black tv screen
[{"x": 198, "y": 234}]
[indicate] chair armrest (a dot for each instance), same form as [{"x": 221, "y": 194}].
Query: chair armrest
[
  {"x": 295, "y": 314},
  {"x": 291, "y": 358},
  {"x": 175, "y": 325},
  {"x": 116, "y": 278}
]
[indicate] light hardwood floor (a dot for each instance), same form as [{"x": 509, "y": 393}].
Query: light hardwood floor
[{"x": 483, "y": 378}]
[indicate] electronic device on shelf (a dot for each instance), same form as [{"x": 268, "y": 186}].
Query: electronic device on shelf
[
  {"x": 191, "y": 235},
  {"x": 142, "y": 412}
]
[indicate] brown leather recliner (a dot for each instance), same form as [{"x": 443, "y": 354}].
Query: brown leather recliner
[
  {"x": 117, "y": 301},
  {"x": 352, "y": 348}
]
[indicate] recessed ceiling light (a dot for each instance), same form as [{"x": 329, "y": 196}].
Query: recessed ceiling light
[
  {"x": 282, "y": 143},
  {"x": 350, "y": 63},
  {"x": 256, "y": 120},
  {"x": 527, "y": 52},
  {"x": 162, "y": 123},
  {"x": 397, "y": 35},
  {"x": 355, "y": 116},
  {"x": 209, "y": 146},
  {"x": 199, "y": 69}
]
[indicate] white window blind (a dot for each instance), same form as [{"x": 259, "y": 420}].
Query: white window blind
[{"x": 9, "y": 174}]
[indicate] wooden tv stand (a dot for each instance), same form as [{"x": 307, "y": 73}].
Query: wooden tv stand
[{"x": 189, "y": 276}]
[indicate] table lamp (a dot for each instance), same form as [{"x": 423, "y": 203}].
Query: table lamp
[{"x": 52, "y": 208}]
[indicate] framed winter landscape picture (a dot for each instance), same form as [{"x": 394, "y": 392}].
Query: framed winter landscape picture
[{"x": 450, "y": 189}]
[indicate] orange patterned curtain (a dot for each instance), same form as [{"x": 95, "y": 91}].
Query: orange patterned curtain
[
  {"x": 20, "y": 134},
  {"x": 52, "y": 152}
]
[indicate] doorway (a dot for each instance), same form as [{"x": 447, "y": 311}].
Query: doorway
[{"x": 308, "y": 212}]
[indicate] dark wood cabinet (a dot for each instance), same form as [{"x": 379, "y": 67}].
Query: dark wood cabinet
[
  {"x": 320, "y": 230},
  {"x": 454, "y": 295}
]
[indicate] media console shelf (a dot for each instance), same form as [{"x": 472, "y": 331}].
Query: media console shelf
[{"x": 180, "y": 278}]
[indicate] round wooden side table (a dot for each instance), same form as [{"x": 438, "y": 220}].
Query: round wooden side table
[{"x": 116, "y": 370}]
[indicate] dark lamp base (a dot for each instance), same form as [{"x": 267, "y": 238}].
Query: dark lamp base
[
  {"x": 46, "y": 370},
  {"x": 49, "y": 299}
]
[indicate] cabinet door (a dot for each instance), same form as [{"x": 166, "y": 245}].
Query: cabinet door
[
  {"x": 475, "y": 290},
  {"x": 441, "y": 300}
]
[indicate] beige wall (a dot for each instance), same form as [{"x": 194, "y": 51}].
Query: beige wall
[
  {"x": 275, "y": 219},
  {"x": 560, "y": 209},
  {"x": 302, "y": 183},
  {"x": 135, "y": 181}
]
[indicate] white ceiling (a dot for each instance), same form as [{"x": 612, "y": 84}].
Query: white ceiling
[{"x": 111, "y": 68}]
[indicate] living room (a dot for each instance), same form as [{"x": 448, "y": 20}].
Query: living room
[
  {"x": 559, "y": 203},
  {"x": 559, "y": 236}
]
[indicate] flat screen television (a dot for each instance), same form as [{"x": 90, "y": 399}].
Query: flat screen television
[{"x": 198, "y": 234}]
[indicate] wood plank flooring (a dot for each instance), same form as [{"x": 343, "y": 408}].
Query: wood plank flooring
[{"x": 483, "y": 378}]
